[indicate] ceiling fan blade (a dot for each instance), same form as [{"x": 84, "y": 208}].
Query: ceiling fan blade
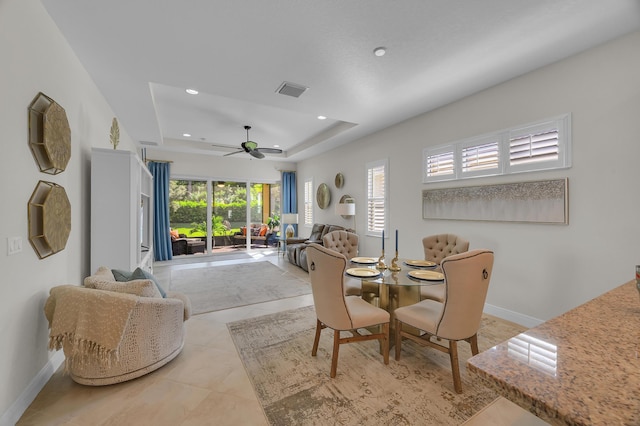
[
  {"x": 231, "y": 153},
  {"x": 255, "y": 153},
  {"x": 270, "y": 150},
  {"x": 214, "y": 145}
]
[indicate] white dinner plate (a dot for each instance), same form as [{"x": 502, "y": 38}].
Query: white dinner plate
[
  {"x": 363, "y": 272},
  {"x": 427, "y": 275},
  {"x": 420, "y": 263},
  {"x": 364, "y": 260}
]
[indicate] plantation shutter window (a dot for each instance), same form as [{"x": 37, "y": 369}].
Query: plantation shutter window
[
  {"x": 376, "y": 197},
  {"x": 440, "y": 164},
  {"x": 534, "y": 147},
  {"x": 544, "y": 145},
  {"x": 480, "y": 157},
  {"x": 308, "y": 202}
]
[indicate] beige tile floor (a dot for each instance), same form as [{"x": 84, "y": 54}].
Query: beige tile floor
[{"x": 205, "y": 385}]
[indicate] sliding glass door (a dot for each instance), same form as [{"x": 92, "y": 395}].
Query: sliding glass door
[
  {"x": 228, "y": 206},
  {"x": 216, "y": 211},
  {"x": 188, "y": 208}
]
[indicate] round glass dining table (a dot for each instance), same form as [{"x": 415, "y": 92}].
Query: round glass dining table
[{"x": 390, "y": 290}]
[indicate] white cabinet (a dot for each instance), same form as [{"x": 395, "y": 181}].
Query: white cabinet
[{"x": 121, "y": 211}]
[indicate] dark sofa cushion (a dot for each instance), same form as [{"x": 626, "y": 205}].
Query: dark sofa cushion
[
  {"x": 330, "y": 228},
  {"x": 316, "y": 232}
]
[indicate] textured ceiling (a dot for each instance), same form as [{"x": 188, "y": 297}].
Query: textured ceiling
[{"x": 143, "y": 54}]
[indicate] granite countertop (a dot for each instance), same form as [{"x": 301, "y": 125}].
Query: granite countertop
[{"x": 580, "y": 368}]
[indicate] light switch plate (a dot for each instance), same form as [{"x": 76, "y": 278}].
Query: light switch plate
[{"x": 14, "y": 245}]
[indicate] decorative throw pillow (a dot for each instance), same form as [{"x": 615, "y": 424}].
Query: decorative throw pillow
[
  {"x": 263, "y": 230},
  {"x": 174, "y": 234},
  {"x": 103, "y": 279},
  {"x": 104, "y": 273},
  {"x": 126, "y": 276},
  {"x": 140, "y": 274},
  {"x": 142, "y": 288},
  {"x": 121, "y": 275}
]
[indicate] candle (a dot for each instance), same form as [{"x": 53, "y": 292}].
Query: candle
[
  {"x": 396, "y": 240},
  {"x": 383, "y": 240}
]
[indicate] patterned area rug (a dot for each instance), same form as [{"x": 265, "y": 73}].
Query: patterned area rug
[
  {"x": 294, "y": 388},
  {"x": 229, "y": 286}
]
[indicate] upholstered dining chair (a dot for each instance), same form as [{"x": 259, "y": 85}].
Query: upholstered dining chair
[
  {"x": 340, "y": 312},
  {"x": 467, "y": 277},
  {"x": 436, "y": 248},
  {"x": 345, "y": 243}
]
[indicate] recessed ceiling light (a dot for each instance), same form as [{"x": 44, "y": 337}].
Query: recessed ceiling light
[
  {"x": 322, "y": 117},
  {"x": 379, "y": 51},
  {"x": 186, "y": 135},
  {"x": 192, "y": 91},
  {"x": 276, "y": 146}
]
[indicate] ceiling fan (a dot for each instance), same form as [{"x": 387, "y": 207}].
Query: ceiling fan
[{"x": 251, "y": 147}]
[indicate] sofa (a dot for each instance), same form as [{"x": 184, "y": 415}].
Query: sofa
[
  {"x": 180, "y": 244},
  {"x": 259, "y": 234},
  {"x": 296, "y": 253},
  {"x": 113, "y": 331}
]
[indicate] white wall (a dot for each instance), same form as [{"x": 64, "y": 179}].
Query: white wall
[
  {"x": 540, "y": 270},
  {"x": 36, "y": 58}
]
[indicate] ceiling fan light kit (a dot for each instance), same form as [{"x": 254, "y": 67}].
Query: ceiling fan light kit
[{"x": 252, "y": 148}]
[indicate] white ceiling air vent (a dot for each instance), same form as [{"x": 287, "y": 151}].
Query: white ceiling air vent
[
  {"x": 291, "y": 89},
  {"x": 148, "y": 143}
]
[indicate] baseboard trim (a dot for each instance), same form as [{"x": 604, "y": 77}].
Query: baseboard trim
[
  {"x": 512, "y": 316},
  {"x": 17, "y": 409}
]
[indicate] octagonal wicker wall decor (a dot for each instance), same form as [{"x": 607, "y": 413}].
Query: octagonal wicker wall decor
[
  {"x": 49, "y": 219},
  {"x": 49, "y": 134}
]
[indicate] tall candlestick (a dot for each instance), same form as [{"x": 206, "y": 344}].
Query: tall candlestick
[
  {"x": 383, "y": 240},
  {"x": 396, "y": 240},
  {"x": 394, "y": 262}
]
